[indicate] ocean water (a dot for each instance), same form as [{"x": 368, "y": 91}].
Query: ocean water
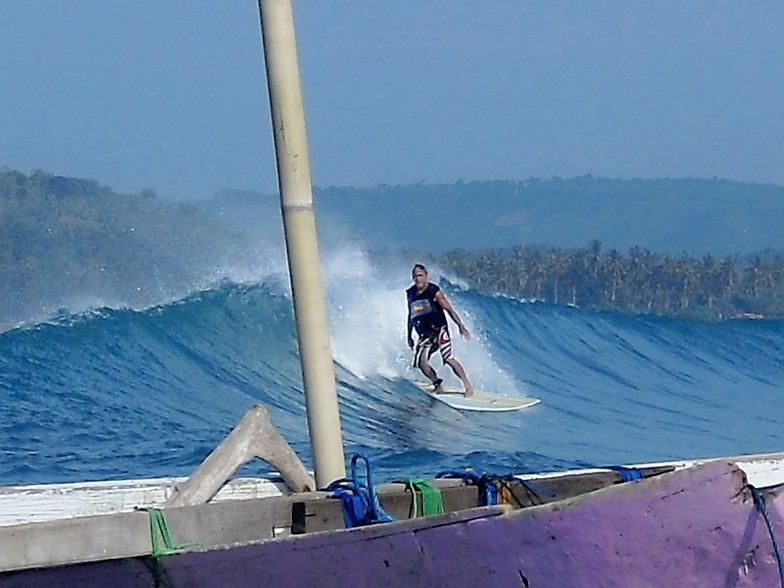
[{"x": 107, "y": 393}]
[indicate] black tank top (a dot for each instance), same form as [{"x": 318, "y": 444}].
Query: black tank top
[{"x": 425, "y": 314}]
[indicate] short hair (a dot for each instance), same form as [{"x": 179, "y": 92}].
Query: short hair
[{"x": 418, "y": 266}]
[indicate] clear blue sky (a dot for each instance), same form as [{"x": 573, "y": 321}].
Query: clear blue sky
[{"x": 171, "y": 95}]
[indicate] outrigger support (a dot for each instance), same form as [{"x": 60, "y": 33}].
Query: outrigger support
[{"x": 253, "y": 436}]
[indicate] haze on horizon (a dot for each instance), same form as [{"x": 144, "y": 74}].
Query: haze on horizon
[{"x": 172, "y": 96}]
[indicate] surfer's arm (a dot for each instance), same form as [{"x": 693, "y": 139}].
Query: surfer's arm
[{"x": 447, "y": 306}]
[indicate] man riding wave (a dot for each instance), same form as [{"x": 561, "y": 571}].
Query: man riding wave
[{"x": 427, "y": 310}]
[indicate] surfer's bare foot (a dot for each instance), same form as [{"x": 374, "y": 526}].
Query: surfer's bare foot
[
  {"x": 438, "y": 386},
  {"x": 469, "y": 392}
]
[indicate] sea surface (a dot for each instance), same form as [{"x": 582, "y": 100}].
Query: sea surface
[{"x": 99, "y": 392}]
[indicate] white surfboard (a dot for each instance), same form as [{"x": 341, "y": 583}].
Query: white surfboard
[{"x": 479, "y": 401}]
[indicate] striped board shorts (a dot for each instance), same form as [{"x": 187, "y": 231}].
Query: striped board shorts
[{"x": 430, "y": 343}]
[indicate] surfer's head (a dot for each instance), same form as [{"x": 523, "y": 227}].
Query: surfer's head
[
  {"x": 418, "y": 269},
  {"x": 419, "y": 275}
]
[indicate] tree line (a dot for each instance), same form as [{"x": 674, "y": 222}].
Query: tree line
[
  {"x": 638, "y": 281},
  {"x": 62, "y": 237}
]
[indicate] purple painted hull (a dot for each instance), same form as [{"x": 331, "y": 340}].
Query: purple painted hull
[{"x": 696, "y": 528}]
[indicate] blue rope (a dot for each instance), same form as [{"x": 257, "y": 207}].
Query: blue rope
[
  {"x": 488, "y": 491},
  {"x": 759, "y": 502},
  {"x": 627, "y": 474},
  {"x": 359, "y": 500},
  {"x": 490, "y": 484}
]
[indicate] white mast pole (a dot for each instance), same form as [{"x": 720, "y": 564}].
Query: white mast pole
[{"x": 296, "y": 195}]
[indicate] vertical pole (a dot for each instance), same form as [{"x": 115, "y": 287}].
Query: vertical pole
[{"x": 296, "y": 195}]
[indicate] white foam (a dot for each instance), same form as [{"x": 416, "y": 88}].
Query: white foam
[{"x": 367, "y": 313}]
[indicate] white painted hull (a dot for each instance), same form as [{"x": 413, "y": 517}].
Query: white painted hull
[{"x": 48, "y": 502}]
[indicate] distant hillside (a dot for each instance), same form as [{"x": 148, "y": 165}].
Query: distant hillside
[
  {"x": 73, "y": 243},
  {"x": 68, "y": 242},
  {"x": 696, "y": 216}
]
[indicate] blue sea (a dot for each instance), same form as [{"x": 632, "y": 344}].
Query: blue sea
[{"x": 97, "y": 391}]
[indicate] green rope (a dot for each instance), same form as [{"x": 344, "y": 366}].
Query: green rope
[
  {"x": 432, "y": 502},
  {"x": 159, "y": 532}
]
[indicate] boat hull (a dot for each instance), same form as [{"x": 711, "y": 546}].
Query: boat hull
[{"x": 694, "y": 527}]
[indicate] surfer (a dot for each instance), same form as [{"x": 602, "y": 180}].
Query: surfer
[{"x": 426, "y": 306}]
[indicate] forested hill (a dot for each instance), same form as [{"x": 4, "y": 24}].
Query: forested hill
[
  {"x": 70, "y": 243},
  {"x": 73, "y": 243},
  {"x": 696, "y": 216}
]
